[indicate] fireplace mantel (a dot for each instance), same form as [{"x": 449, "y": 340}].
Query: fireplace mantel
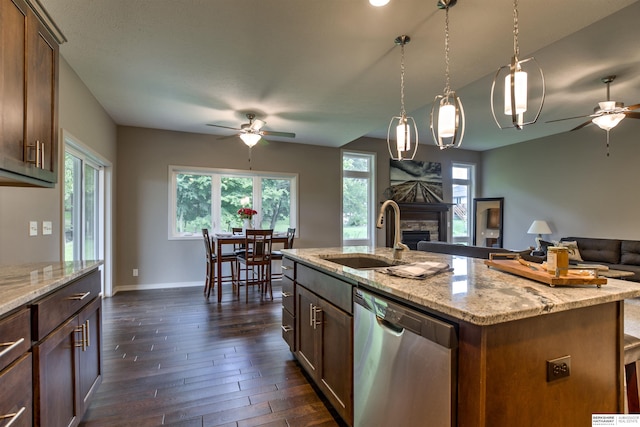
[{"x": 438, "y": 212}]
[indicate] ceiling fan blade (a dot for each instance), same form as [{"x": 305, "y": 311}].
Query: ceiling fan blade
[
  {"x": 633, "y": 107},
  {"x": 588, "y": 122},
  {"x": 224, "y": 127},
  {"x": 274, "y": 133},
  {"x": 632, "y": 115},
  {"x": 568, "y": 118}
]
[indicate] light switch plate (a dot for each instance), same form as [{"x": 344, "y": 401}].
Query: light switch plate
[
  {"x": 47, "y": 228},
  {"x": 33, "y": 228}
]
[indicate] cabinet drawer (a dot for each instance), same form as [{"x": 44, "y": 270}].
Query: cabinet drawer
[
  {"x": 334, "y": 290},
  {"x": 51, "y": 311},
  {"x": 15, "y": 337},
  {"x": 16, "y": 395},
  {"x": 288, "y": 329},
  {"x": 288, "y": 268},
  {"x": 288, "y": 297}
]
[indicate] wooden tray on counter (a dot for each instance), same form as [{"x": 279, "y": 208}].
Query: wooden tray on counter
[{"x": 523, "y": 268}]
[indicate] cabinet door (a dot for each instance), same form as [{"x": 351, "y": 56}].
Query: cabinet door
[
  {"x": 336, "y": 364},
  {"x": 13, "y": 24},
  {"x": 16, "y": 394},
  {"x": 55, "y": 372},
  {"x": 89, "y": 353},
  {"x": 307, "y": 331},
  {"x": 42, "y": 85}
]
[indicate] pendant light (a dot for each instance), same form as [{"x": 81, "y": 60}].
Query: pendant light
[
  {"x": 447, "y": 115},
  {"x": 512, "y": 85},
  {"x": 402, "y": 125}
]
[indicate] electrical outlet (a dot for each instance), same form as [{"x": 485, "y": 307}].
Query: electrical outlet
[
  {"x": 47, "y": 228},
  {"x": 558, "y": 368},
  {"x": 33, "y": 228},
  {"x": 135, "y": 272}
]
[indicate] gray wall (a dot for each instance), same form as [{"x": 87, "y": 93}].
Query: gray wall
[
  {"x": 568, "y": 181},
  {"x": 82, "y": 116},
  {"x": 144, "y": 156}
]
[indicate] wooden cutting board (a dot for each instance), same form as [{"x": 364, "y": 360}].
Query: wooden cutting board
[{"x": 541, "y": 275}]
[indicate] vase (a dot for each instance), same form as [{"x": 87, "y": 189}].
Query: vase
[{"x": 246, "y": 224}]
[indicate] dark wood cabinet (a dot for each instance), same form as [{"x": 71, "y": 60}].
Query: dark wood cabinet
[
  {"x": 68, "y": 359},
  {"x": 16, "y": 391},
  {"x": 324, "y": 339},
  {"x": 28, "y": 98}
]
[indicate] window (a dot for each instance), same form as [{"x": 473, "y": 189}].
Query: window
[
  {"x": 358, "y": 216},
  {"x": 462, "y": 191},
  {"x": 210, "y": 198},
  {"x": 82, "y": 210}
]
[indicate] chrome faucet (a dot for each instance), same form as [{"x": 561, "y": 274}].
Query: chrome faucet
[{"x": 398, "y": 246}]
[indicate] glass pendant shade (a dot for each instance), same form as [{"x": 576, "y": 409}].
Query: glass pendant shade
[
  {"x": 406, "y": 144},
  {"x": 608, "y": 121},
  {"x": 447, "y": 121},
  {"x": 250, "y": 139},
  {"x": 378, "y": 3},
  {"x": 403, "y": 137},
  {"x": 520, "y": 90}
]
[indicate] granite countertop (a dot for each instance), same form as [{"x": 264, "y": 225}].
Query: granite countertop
[
  {"x": 472, "y": 292},
  {"x": 24, "y": 283}
]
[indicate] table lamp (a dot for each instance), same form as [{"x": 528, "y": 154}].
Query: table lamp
[{"x": 539, "y": 227}]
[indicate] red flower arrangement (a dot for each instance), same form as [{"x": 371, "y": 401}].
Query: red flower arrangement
[{"x": 246, "y": 213}]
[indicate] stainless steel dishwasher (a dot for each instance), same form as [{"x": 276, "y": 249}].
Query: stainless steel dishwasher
[{"x": 404, "y": 365}]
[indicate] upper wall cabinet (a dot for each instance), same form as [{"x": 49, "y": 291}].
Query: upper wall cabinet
[{"x": 28, "y": 98}]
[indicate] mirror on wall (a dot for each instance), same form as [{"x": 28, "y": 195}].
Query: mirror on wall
[{"x": 488, "y": 215}]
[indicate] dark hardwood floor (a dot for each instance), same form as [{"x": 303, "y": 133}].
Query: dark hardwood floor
[{"x": 173, "y": 358}]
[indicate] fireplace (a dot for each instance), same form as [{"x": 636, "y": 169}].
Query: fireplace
[
  {"x": 412, "y": 237},
  {"x": 419, "y": 217}
]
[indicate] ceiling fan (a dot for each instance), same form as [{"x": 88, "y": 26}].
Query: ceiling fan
[
  {"x": 252, "y": 132},
  {"x": 608, "y": 113}
]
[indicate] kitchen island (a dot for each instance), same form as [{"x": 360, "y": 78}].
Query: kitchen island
[{"x": 508, "y": 329}]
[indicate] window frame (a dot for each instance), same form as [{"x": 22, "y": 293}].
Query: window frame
[
  {"x": 216, "y": 175},
  {"x": 470, "y": 183},
  {"x": 371, "y": 211}
]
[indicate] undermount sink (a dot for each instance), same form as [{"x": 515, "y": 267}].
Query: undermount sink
[{"x": 361, "y": 261}]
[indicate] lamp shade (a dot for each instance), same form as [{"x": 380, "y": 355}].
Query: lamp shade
[
  {"x": 250, "y": 139},
  {"x": 539, "y": 227}
]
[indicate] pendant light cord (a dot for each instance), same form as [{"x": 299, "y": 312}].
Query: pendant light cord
[
  {"x": 447, "y": 86},
  {"x": 516, "y": 47},
  {"x": 403, "y": 113}
]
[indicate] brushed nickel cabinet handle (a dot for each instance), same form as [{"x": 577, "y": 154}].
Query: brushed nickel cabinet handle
[
  {"x": 284, "y": 267},
  {"x": 10, "y": 346},
  {"x": 14, "y": 416},
  {"x": 88, "y": 334},
  {"x": 287, "y": 328},
  {"x": 80, "y": 297},
  {"x": 286, "y": 294}
]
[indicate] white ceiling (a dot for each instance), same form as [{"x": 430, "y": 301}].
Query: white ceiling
[{"x": 329, "y": 71}]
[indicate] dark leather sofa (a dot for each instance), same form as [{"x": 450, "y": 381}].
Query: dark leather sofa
[{"x": 615, "y": 254}]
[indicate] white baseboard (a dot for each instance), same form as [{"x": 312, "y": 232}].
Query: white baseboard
[{"x": 150, "y": 286}]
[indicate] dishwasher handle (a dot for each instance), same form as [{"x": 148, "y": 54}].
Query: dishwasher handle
[{"x": 391, "y": 327}]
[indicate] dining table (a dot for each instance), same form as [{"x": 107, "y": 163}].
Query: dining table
[{"x": 221, "y": 239}]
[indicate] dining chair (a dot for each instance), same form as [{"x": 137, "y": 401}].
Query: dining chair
[
  {"x": 277, "y": 255},
  {"x": 255, "y": 262},
  {"x": 212, "y": 259}
]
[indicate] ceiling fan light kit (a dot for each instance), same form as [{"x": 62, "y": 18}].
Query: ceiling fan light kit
[
  {"x": 404, "y": 126},
  {"x": 519, "y": 77},
  {"x": 252, "y": 132},
  {"x": 447, "y": 119},
  {"x": 250, "y": 139}
]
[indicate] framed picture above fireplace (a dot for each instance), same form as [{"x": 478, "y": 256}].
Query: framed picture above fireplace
[{"x": 415, "y": 182}]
